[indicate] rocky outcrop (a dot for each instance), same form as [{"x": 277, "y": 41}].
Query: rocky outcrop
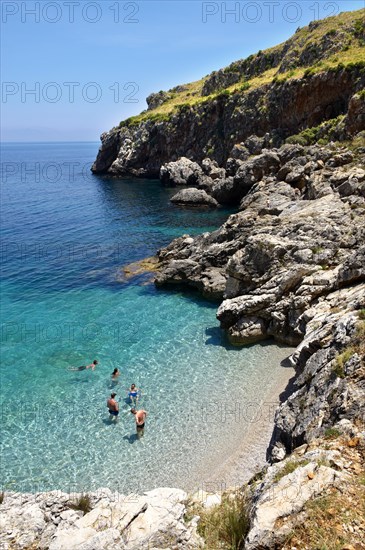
[
  {"x": 329, "y": 390},
  {"x": 290, "y": 264},
  {"x": 297, "y": 238},
  {"x": 355, "y": 120},
  {"x": 281, "y": 496},
  {"x": 134, "y": 522},
  {"x": 181, "y": 172},
  {"x": 194, "y": 197},
  {"x": 212, "y": 128},
  {"x": 156, "y": 99},
  {"x": 278, "y": 500}
]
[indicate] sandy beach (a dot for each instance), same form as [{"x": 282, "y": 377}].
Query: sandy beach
[{"x": 253, "y": 438}]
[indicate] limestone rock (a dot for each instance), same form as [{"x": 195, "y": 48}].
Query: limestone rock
[
  {"x": 194, "y": 197},
  {"x": 155, "y": 518},
  {"x": 282, "y": 495},
  {"x": 181, "y": 172}
]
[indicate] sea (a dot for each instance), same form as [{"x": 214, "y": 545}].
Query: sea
[{"x": 66, "y": 235}]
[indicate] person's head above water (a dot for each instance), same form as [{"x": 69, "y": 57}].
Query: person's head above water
[
  {"x": 112, "y": 395},
  {"x": 133, "y": 411},
  {"x": 133, "y": 386},
  {"x": 95, "y": 362},
  {"x": 115, "y": 371}
]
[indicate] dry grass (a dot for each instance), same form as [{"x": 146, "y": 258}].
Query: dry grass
[
  {"x": 333, "y": 521},
  {"x": 82, "y": 503},
  {"x": 336, "y": 520},
  {"x": 225, "y": 526},
  {"x": 303, "y": 38}
]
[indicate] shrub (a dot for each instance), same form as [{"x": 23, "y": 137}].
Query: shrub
[
  {"x": 362, "y": 314},
  {"x": 245, "y": 86},
  {"x": 223, "y": 94},
  {"x": 226, "y": 525},
  {"x": 341, "y": 360},
  {"x": 183, "y": 107},
  {"x": 332, "y": 433},
  {"x": 359, "y": 28},
  {"x": 289, "y": 467},
  {"x": 83, "y": 503},
  {"x": 296, "y": 139},
  {"x": 309, "y": 72}
]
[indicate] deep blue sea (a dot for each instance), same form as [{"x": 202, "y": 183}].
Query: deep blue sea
[{"x": 65, "y": 235}]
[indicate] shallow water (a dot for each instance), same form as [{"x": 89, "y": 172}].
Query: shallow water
[{"x": 63, "y": 241}]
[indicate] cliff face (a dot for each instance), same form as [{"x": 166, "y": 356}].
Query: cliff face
[
  {"x": 308, "y": 79},
  {"x": 212, "y": 128}
]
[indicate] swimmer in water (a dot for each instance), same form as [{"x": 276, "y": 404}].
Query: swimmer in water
[
  {"x": 133, "y": 394},
  {"x": 115, "y": 375},
  {"x": 85, "y": 367}
]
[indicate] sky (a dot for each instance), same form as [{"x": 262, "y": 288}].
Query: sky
[{"x": 72, "y": 69}]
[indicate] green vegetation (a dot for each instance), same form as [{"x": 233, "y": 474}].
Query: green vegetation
[
  {"x": 341, "y": 360},
  {"x": 223, "y": 93},
  {"x": 362, "y": 314},
  {"x": 359, "y": 28},
  {"x": 83, "y": 503},
  {"x": 308, "y": 41},
  {"x": 357, "y": 346},
  {"x": 245, "y": 86},
  {"x": 332, "y": 433},
  {"x": 225, "y": 526},
  {"x": 289, "y": 467},
  {"x": 322, "y": 134}
]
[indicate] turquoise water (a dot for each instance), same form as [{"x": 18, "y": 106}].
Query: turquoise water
[{"x": 65, "y": 234}]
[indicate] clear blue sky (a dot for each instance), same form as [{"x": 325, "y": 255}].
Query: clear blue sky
[{"x": 92, "y": 64}]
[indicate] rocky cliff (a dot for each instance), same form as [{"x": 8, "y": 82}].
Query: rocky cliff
[
  {"x": 300, "y": 84},
  {"x": 289, "y": 265}
]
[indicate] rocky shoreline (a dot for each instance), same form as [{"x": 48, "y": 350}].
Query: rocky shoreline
[{"x": 289, "y": 264}]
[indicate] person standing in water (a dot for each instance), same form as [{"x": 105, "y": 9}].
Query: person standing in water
[
  {"x": 140, "y": 417},
  {"x": 85, "y": 367},
  {"x": 113, "y": 406}
]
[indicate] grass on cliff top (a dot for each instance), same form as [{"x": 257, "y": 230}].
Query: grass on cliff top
[{"x": 353, "y": 52}]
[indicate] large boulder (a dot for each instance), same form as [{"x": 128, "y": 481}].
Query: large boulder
[
  {"x": 194, "y": 197},
  {"x": 181, "y": 172},
  {"x": 232, "y": 189}
]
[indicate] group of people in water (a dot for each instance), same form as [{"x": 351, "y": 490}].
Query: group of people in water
[{"x": 113, "y": 405}]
